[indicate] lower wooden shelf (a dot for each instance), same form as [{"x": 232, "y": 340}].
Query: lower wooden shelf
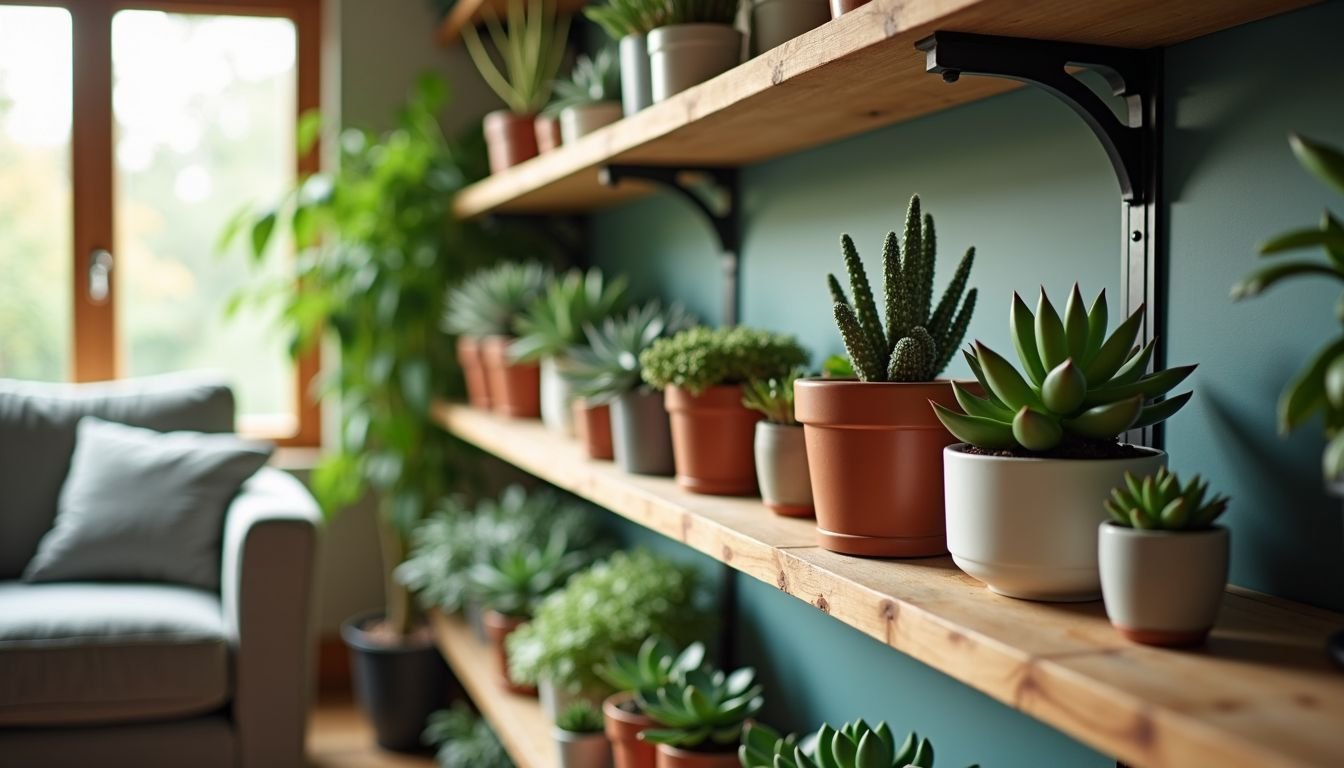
[
  {"x": 518, "y": 720},
  {"x": 1262, "y": 693}
]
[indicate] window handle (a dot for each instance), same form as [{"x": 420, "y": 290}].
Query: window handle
[{"x": 100, "y": 275}]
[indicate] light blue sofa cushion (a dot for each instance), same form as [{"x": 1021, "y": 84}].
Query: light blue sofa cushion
[{"x": 109, "y": 653}]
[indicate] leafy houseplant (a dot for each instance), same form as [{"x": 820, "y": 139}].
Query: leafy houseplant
[
  {"x": 655, "y": 665},
  {"x": 1163, "y": 561},
  {"x": 464, "y": 740},
  {"x": 629, "y": 22},
  {"x": 701, "y": 713},
  {"x": 874, "y": 447},
  {"x": 486, "y": 306},
  {"x": 695, "y": 42},
  {"x": 578, "y": 732},
  {"x": 781, "y": 453},
  {"x": 1042, "y": 446},
  {"x": 588, "y": 100},
  {"x": 702, "y": 372}
]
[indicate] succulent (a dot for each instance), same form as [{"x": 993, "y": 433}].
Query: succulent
[
  {"x": 592, "y": 80},
  {"x": 655, "y": 664},
  {"x": 532, "y": 43},
  {"x": 1160, "y": 501},
  {"x": 854, "y": 745},
  {"x": 773, "y": 397},
  {"x": 556, "y": 321},
  {"x": 1320, "y": 386},
  {"x": 763, "y": 747},
  {"x": 702, "y": 708},
  {"x": 464, "y": 740},
  {"x": 701, "y": 11},
  {"x": 919, "y": 339},
  {"x": 490, "y": 302},
  {"x": 621, "y": 18},
  {"x": 609, "y": 365},
  {"x": 515, "y": 579},
  {"x": 1079, "y": 385},
  {"x": 698, "y": 358},
  {"x": 580, "y": 717}
]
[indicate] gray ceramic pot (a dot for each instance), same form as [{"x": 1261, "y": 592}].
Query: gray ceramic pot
[
  {"x": 555, "y": 699},
  {"x": 583, "y": 750},
  {"x": 774, "y": 22},
  {"x": 636, "y": 85},
  {"x": 582, "y": 119},
  {"x": 781, "y": 469},
  {"x": 641, "y": 434},
  {"x": 683, "y": 55}
]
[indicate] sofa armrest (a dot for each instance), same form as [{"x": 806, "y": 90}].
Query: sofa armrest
[{"x": 266, "y": 588}]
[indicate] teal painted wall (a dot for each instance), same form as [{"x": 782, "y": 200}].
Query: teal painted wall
[{"x": 1019, "y": 177}]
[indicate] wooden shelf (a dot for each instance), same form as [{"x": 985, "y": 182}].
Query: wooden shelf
[
  {"x": 1261, "y": 694},
  {"x": 846, "y": 77},
  {"x": 466, "y": 12},
  {"x": 518, "y": 720}
]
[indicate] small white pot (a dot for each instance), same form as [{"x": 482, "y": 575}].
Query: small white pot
[
  {"x": 781, "y": 469},
  {"x": 1027, "y": 527},
  {"x": 582, "y": 119},
  {"x": 583, "y": 750},
  {"x": 683, "y": 55},
  {"x": 1163, "y": 587},
  {"x": 556, "y": 395},
  {"x": 555, "y": 699}
]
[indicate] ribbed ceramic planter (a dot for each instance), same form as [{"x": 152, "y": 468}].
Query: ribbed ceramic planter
[
  {"x": 515, "y": 388},
  {"x": 874, "y": 450},
  {"x": 841, "y": 7},
  {"x": 1027, "y": 527},
  {"x": 636, "y": 83},
  {"x": 781, "y": 469},
  {"x": 592, "y": 426},
  {"x": 683, "y": 55},
  {"x": 641, "y": 433},
  {"x": 582, "y": 119},
  {"x": 775, "y": 22},
  {"x": 674, "y": 757},
  {"x": 1163, "y": 587},
  {"x": 712, "y": 440},
  {"x": 557, "y": 396},
  {"x": 583, "y": 750},
  {"x": 623, "y": 726},
  {"x": 499, "y": 627},
  {"x": 547, "y": 128},
  {"x": 472, "y": 361},
  {"x": 509, "y": 139}
]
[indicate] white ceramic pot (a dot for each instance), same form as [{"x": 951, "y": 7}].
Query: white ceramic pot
[
  {"x": 582, "y": 119},
  {"x": 683, "y": 55},
  {"x": 583, "y": 750},
  {"x": 636, "y": 83},
  {"x": 1027, "y": 527},
  {"x": 1163, "y": 587},
  {"x": 557, "y": 393},
  {"x": 781, "y": 469},
  {"x": 775, "y": 22},
  {"x": 555, "y": 699}
]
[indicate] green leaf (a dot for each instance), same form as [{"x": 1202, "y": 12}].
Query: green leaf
[
  {"x": 872, "y": 752},
  {"x": 1024, "y": 339},
  {"x": 974, "y": 405},
  {"x": 1324, "y": 162},
  {"x": 262, "y": 230},
  {"x": 1097, "y": 318},
  {"x": 1004, "y": 380},
  {"x": 1076, "y": 328},
  {"x": 1150, "y": 386},
  {"x": 1306, "y": 394},
  {"x": 983, "y": 433},
  {"x": 1158, "y": 412},
  {"x": 1330, "y": 238},
  {"x": 1115, "y": 350},
  {"x": 1064, "y": 389},
  {"x": 1050, "y": 338},
  {"x": 1263, "y": 279},
  {"x": 1332, "y": 460},
  {"x": 1105, "y": 422},
  {"x": 1036, "y": 431},
  {"x": 308, "y": 131}
]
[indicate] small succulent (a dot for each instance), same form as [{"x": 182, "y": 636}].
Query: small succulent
[
  {"x": 655, "y": 664},
  {"x": 773, "y": 397},
  {"x": 556, "y": 321},
  {"x": 702, "y": 708},
  {"x": 1080, "y": 384},
  {"x": 854, "y": 745},
  {"x": 592, "y": 80},
  {"x": 609, "y": 365},
  {"x": 763, "y": 747},
  {"x": 464, "y": 740},
  {"x": 919, "y": 339},
  {"x": 490, "y": 301},
  {"x": 1159, "y": 501},
  {"x": 621, "y": 18},
  {"x": 518, "y": 576},
  {"x": 580, "y": 717},
  {"x": 698, "y": 358}
]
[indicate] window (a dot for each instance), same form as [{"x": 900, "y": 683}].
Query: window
[{"x": 129, "y": 133}]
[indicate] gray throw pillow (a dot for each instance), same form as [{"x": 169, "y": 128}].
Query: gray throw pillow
[{"x": 140, "y": 505}]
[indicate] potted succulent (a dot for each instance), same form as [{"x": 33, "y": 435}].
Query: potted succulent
[
  {"x": 629, "y": 23},
  {"x": 873, "y": 446},
  {"x": 700, "y": 715},
  {"x": 655, "y": 665},
  {"x": 775, "y": 22},
  {"x": 1163, "y": 561},
  {"x": 1040, "y": 449},
  {"x": 607, "y": 373},
  {"x": 532, "y": 43},
  {"x": 702, "y": 371},
  {"x": 578, "y": 732},
  {"x": 695, "y": 42},
  {"x": 781, "y": 452},
  {"x": 640, "y": 595},
  {"x": 553, "y": 324},
  {"x": 853, "y": 745},
  {"x": 588, "y": 100},
  {"x": 463, "y": 739}
]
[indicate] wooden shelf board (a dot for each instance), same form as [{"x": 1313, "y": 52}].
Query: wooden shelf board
[
  {"x": 522, "y": 726},
  {"x": 1261, "y": 694},
  {"x": 466, "y": 12}
]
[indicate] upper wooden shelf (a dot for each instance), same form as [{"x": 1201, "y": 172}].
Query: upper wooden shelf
[
  {"x": 846, "y": 77},
  {"x": 1260, "y": 694},
  {"x": 466, "y": 12}
]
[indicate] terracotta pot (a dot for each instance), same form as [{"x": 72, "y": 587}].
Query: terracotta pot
[
  {"x": 1163, "y": 587},
  {"x": 712, "y": 440},
  {"x": 547, "y": 128},
  {"x": 674, "y": 757},
  {"x": 473, "y": 370},
  {"x": 841, "y": 7},
  {"x": 875, "y": 455},
  {"x": 592, "y": 425},
  {"x": 623, "y": 728},
  {"x": 499, "y": 627},
  {"x": 781, "y": 468},
  {"x": 515, "y": 388},
  {"x": 509, "y": 139}
]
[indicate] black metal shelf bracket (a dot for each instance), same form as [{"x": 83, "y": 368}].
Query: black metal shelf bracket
[
  {"x": 714, "y": 193},
  {"x": 1132, "y": 144}
]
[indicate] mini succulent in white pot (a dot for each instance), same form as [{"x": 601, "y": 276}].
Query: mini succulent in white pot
[
  {"x": 590, "y": 98},
  {"x": 781, "y": 451},
  {"x": 578, "y": 733}
]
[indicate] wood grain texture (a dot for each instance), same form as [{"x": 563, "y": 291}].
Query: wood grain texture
[{"x": 1261, "y": 693}]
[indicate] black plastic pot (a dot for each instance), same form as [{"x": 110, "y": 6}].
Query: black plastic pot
[{"x": 397, "y": 686}]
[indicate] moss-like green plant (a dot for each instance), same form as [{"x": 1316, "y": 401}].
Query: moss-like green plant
[
  {"x": 1160, "y": 501},
  {"x": 532, "y": 44},
  {"x": 621, "y": 18},
  {"x": 919, "y": 339},
  {"x": 1080, "y": 384},
  {"x": 702, "y": 709},
  {"x": 593, "y": 79},
  {"x": 580, "y": 717},
  {"x": 608, "y": 366},
  {"x": 655, "y": 664},
  {"x": 515, "y": 578},
  {"x": 699, "y": 358},
  {"x": 556, "y": 321},
  {"x": 491, "y": 301},
  {"x": 464, "y": 740},
  {"x": 773, "y": 397}
]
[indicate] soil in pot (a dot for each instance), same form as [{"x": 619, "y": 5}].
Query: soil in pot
[
  {"x": 592, "y": 425},
  {"x": 641, "y": 433},
  {"x": 398, "y": 680},
  {"x": 675, "y": 757},
  {"x": 874, "y": 452},
  {"x": 624, "y": 723},
  {"x": 547, "y": 128},
  {"x": 781, "y": 469},
  {"x": 582, "y": 119},
  {"x": 683, "y": 55},
  {"x": 636, "y": 83},
  {"x": 775, "y": 22},
  {"x": 841, "y": 7},
  {"x": 471, "y": 360},
  {"x": 509, "y": 139},
  {"x": 583, "y": 750},
  {"x": 515, "y": 388},
  {"x": 712, "y": 440},
  {"x": 499, "y": 627},
  {"x": 1163, "y": 587}
]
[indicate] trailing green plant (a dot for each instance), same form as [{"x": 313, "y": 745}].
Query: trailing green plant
[
  {"x": 464, "y": 740},
  {"x": 773, "y": 397},
  {"x": 701, "y": 708},
  {"x": 580, "y": 717},
  {"x": 609, "y": 608},
  {"x": 698, "y": 358},
  {"x": 516, "y": 577},
  {"x": 1318, "y": 388},
  {"x": 655, "y": 664},
  {"x": 608, "y": 366},
  {"x": 532, "y": 44},
  {"x": 919, "y": 339},
  {"x": 1160, "y": 501},
  {"x": 1079, "y": 386},
  {"x": 556, "y": 321},
  {"x": 621, "y": 18},
  {"x": 701, "y": 12},
  {"x": 593, "y": 79},
  {"x": 490, "y": 301}
]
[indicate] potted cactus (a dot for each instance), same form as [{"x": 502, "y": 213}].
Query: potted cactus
[
  {"x": 853, "y": 745},
  {"x": 1040, "y": 449},
  {"x": 874, "y": 449},
  {"x": 700, "y": 715},
  {"x": 588, "y": 100},
  {"x": 1163, "y": 561},
  {"x": 702, "y": 371},
  {"x": 695, "y": 42},
  {"x": 781, "y": 453},
  {"x": 655, "y": 665},
  {"x": 578, "y": 732}
]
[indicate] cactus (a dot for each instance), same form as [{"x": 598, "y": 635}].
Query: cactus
[
  {"x": 1079, "y": 383},
  {"x": 1160, "y": 502},
  {"x": 919, "y": 339},
  {"x": 853, "y": 745}
]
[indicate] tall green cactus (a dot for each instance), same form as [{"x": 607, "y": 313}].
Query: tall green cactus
[{"x": 919, "y": 339}]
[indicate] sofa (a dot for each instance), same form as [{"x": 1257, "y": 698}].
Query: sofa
[{"x": 145, "y": 674}]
